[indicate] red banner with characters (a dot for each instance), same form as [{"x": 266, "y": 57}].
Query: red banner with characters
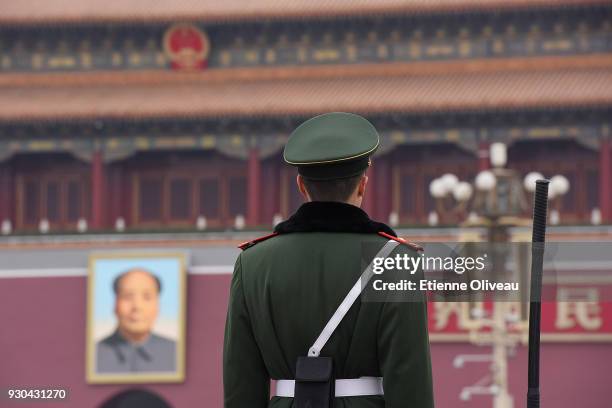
[{"x": 581, "y": 313}]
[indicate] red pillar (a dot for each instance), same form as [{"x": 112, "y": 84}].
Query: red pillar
[
  {"x": 254, "y": 188},
  {"x": 115, "y": 188},
  {"x": 270, "y": 191},
  {"x": 6, "y": 196},
  {"x": 384, "y": 189},
  {"x": 97, "y": 190},
  {"x": 605, "y": 190},
  {"x": 369, "y": 199},
  {"x": 484, "y": 161}
]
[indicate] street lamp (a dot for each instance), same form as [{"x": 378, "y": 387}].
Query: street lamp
[
  {"x": 497, "y": 199},
  {"x": 496, "y": 196},
  {"x": 447, "y": 189}
]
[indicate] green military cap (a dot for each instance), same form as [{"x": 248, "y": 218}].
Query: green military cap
[{"x": 332, "y": 146}]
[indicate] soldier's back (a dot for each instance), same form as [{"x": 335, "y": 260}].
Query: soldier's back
[{"x": 293, "y": 284}]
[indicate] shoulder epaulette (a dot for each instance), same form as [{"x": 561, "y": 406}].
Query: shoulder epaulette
[
  {"x": 249, "y": 244},
  {"x": 416, "y": 247}
]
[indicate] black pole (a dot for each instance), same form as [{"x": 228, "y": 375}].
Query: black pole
[{"x": 540, "y": 205}]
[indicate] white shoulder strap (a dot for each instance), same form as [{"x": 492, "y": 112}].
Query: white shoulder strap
[{"x": 348, "y": 301}]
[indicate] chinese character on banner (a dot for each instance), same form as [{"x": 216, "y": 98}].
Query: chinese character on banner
[
  {"x": 580, "y": 313},
  {"x": 187, "y": 47}
]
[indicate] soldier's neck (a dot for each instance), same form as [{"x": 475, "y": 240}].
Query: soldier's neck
[{"x": 355, "y": 200}]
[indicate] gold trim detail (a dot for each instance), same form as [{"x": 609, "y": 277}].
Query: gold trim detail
[{"x": 335, "y": 160}]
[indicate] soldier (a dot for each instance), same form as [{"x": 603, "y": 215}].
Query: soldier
[{"x": 286, "y": 286}]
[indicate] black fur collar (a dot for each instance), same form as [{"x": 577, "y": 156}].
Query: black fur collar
[{"x": 331, "y": 216}]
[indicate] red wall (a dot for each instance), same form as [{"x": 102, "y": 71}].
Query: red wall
[{"x": 42, "y": 343}]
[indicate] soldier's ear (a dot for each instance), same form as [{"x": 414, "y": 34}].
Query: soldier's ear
[
  {"x": 362, "y": 185},
  {"x": 302, "y": 187}
]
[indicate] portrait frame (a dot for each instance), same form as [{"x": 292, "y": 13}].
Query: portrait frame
[{"x": 113, "y": 264}]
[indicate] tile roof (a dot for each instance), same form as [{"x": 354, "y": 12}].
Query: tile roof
[
  {"x": 310, "y": 95},
  {"x": 79, "y": 11}
]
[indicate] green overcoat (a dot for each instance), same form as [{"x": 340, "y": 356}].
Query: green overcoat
[{"x": 284, "y": 290}]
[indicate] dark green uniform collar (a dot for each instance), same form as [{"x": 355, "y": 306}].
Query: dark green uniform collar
[{"x": 331, "y": 216}]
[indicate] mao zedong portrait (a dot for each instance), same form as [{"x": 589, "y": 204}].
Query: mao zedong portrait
[{"x": 133, "y": 347}]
